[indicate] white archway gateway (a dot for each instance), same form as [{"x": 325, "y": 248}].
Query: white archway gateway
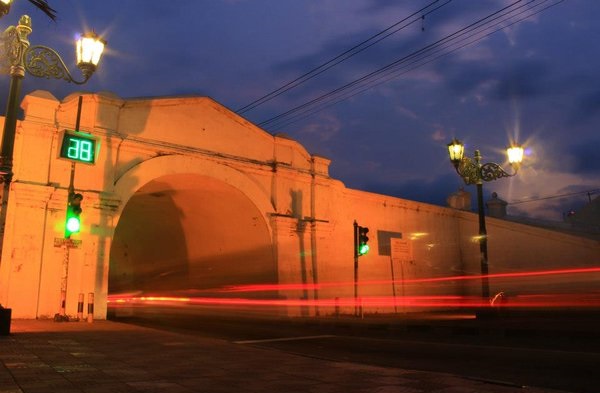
[
  {"x": 183, "y": 191},
  {"x": 187, "y": 195}
]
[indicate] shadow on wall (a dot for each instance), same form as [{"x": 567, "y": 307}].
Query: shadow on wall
[
  {"x": 148, "y": 243},
  {"x": 212, "y": 274},
  {"x": 99, "y": 113},
  {"x": 186, "y": 231},
  {"x": 296, "y": 208},
  {"x": 114, "y": 165}
]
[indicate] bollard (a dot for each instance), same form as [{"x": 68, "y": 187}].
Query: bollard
[
  {"x": 360, "y": 308},
  {"x": 90, "y": 315},
  {"x": 80, "y": 307},
  {"x": 5, "y": 315}
]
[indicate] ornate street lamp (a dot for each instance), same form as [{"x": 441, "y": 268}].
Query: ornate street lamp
[
  {"x": 473, "y": 172},
  {"x": 4, "y": 7},
  {"x": 16, "y": 57}
]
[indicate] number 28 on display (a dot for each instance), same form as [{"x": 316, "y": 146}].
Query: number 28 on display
[{"x": 78, "y": 147}]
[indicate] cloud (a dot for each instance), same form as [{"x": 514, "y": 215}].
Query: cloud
[
  {"x": 321, "y": 128},
  {"x": 524, "y": 80},
  {"x": 439, "y": 135},
  {"x": 543, "y": 193},
  {"x": 556, "y": 204},
  {"x": 432, "y": 191},
  {"x": 585, "y": 157},
  {"x": 466, "y": 76},
  {"x": 380, "y": 5},
  {"x": 588, "y": 105}
]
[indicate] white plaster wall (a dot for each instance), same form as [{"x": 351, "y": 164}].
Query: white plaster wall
[{"x": 309, "y": 215}]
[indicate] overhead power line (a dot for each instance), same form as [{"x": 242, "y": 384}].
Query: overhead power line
[
  {"x": 404, "y": 65},
  {"x": 537, "y": 199},
  {"x": 416, "y": 59},
  {"x": 468, "y": 35},
  {"x": 400, "y": 25}
]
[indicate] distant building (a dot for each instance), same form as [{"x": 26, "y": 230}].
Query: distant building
[
  {"x": 496, "y": 206},
  {"x": 587, "y": 218},
  {"x": 585, "y": 222},
  {"x": 460, "y": 200}
]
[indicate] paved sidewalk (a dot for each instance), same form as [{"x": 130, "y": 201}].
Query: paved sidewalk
[{"x": 42, "y": 356}]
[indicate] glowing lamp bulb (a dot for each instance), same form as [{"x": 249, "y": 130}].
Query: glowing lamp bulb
[
  {"x": 89, "y": 49},
  {"x": 73, "y": 224},
  {"x": 456, "y": 151},
  {"x": 515, "y": 154}
]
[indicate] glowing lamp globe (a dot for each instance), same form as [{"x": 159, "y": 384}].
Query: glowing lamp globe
[
  {"x": 515, "y": 155},
  {"x": 456, "y": 150},
  {"x": 89, "y": 48}
]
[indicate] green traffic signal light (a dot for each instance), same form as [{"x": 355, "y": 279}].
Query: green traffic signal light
[
  {"x": 363, "y": 239},
  {"x": 363, "y": 249},
  {"x": 73, "y": 222}
]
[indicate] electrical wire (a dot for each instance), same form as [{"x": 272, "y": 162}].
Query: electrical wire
[
  {"x": 394, "y": 73},
  {"x": 395, "y": 63},
  {"x": 419, "y": 55},
  {"x": 588, "y": 192},
  {"x": 422, "y": 13},
  {"x": 442, "y": 47}
]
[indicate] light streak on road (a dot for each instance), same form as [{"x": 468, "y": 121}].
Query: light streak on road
[
  {"x": 525, "y": 301},
  {"x": 284, "y": 287},
  {"x": 577, "y": 289}
]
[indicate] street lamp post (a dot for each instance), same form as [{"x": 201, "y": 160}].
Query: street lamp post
[
  {"x": 17, "y": 57},
  {"x": 474, "y": 172}
]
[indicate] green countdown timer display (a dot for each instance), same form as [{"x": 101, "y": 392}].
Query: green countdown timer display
[{"x": 80, "y": 147}]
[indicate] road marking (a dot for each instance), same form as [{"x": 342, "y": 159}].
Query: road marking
[
  {"x": 282, "y": 339},
  {"x": 497, "y": 382}
]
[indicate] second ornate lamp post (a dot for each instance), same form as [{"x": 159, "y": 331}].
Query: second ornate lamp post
[{"x": 474, "y": 172}]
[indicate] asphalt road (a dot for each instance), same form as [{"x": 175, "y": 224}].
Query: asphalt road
[{"x": 526, "y": 361}]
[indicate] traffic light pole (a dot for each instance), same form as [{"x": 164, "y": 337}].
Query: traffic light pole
[
  {"x": 77, "y": 123},
  {"x": 355, "y": 268},
  {"x": 62, "y": 315}
]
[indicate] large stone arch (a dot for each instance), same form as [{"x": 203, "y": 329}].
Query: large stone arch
[
  {"x": 129, "y": 182},
  {"x": 188, "y": 223}
]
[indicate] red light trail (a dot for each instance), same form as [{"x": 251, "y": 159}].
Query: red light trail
[
  {"x": 528, "y": 301},
  {"x": 284, "y": 287},
  {"x": 544, "y": 300}
]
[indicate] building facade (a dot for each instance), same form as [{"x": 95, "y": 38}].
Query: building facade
[{"x": 186, "y": 196}]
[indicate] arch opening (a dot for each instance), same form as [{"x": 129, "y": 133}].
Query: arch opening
[{"x": 189, "y": 232}]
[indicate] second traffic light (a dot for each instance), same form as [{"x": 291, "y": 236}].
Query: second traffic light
[
  {"x": 73, "y": 220},
  {"x": 363, "y": 240}
]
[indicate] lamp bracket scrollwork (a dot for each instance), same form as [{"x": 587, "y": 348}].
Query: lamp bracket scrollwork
[
  {"x": 472, "y": 172},
  {"x": 492, "y": 171},
  {"x": 468, "y": 170},
  {"x": 45, "y": 62}
]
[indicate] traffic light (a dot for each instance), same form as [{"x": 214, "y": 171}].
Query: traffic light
[
  {"x": 73, "y": 222},
  {"x": 363, "y": 240}
]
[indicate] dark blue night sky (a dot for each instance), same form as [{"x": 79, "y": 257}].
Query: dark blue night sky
[{"x": 530, "y": 75}]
